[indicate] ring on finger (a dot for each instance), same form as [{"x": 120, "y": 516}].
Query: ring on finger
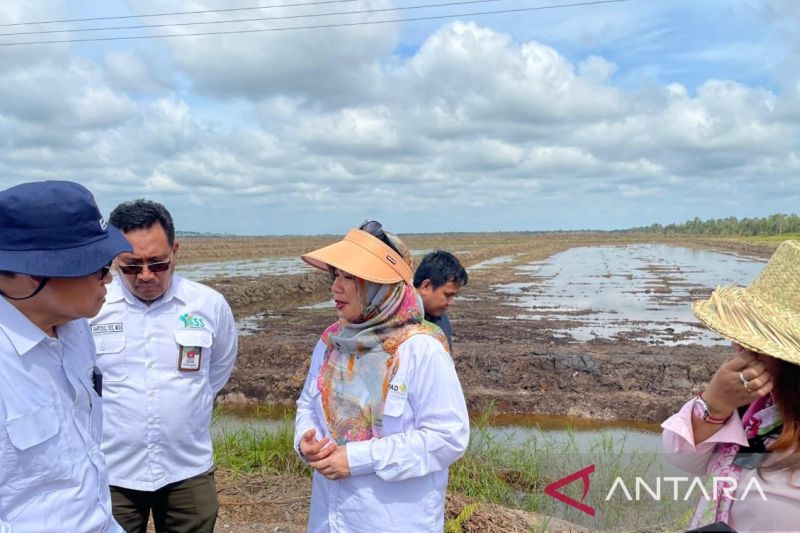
[{"x": 745, "y": 383}]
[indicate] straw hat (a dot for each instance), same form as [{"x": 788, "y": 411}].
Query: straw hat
[
  {"x": 764, "y": 317},
  {"x": 362, "y": 255}
]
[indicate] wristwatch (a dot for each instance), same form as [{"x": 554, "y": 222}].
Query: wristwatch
[{"x": 700, "y": 410}]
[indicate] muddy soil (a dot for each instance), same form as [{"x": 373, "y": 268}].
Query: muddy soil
[
  {"x": 516, "y": 363},
  {"x": 251, "y": 503}
]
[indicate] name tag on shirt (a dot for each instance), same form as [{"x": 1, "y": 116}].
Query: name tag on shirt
[
  {"x": 190, "y": 345},
  {"x": 190, "y": 358}
]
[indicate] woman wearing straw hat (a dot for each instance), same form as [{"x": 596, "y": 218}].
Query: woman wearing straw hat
[
  {"x": 382, "y": 415},
  {"x": 745, "y": 426}
]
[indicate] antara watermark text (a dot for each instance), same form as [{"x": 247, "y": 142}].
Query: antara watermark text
[{"x": 720, "y": 487}]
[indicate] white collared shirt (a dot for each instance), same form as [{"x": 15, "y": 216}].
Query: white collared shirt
[
  {"x": 52, "y": 473},
  {"x": 397, "y": 482},
  {"x": 157, "y": 416}
]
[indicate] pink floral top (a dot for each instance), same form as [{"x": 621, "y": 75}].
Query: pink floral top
[{"x": 781, "y": 509}]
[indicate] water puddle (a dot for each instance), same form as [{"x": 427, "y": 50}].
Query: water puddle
[
  {"x": 515, "y": 430},
  {"x": 268, "y": 266},
  {"x": 640, "y": 292},
  {"x": 327, "y": 304},
  {"x": 275, "y": 266},
  {"x": 494, "y": 261},
  {"x": 250, "y": 325}
]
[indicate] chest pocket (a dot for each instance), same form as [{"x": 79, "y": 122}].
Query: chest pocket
[
  {"x": 111, "y": 357},
  {"x": 193, "y": 350},
  {"x": 41, "y": 453},
  {"x": 393, "y": 411}
]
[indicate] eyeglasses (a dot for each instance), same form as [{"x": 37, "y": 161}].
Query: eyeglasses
[
  {"x": 130, "y": 270},
  {"x": 104, "y": 271}
]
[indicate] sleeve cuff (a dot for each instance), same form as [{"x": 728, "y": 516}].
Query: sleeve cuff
[
  {"x": 359, "y": 458},
  {"x": 298, "y": 438},
  {"x": 681, "y": 425}
]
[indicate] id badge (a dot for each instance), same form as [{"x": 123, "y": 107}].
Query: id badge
[{"x": 189, "y": 359}]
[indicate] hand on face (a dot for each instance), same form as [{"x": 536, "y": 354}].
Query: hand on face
[{"x": 739, "y": 381}]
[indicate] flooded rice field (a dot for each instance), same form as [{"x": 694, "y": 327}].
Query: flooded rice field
[
  {"x": 588, "y": 326},
  {"x": 494, "y": 261},
  {"x": 640, "y": 291},
  {"x": 273, "y": 266},
  {"x": 269, "y": 266}
]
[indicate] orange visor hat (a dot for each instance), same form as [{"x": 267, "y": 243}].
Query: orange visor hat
[{"x": 362, "y": 255}]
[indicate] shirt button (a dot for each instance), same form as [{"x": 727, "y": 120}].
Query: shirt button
[{"x": 149, "y": 364}]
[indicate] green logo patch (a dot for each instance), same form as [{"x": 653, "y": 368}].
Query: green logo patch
[{"x": 191, "y": 321}]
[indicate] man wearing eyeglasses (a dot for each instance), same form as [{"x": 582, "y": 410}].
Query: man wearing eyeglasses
[
  {"x": 55, "y": 249},
  {"x": 166, "y": 346}
]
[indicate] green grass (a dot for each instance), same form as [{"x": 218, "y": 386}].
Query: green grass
[
  {"x": 494, "y": 469},
  {"x": 247, "y": 449}
]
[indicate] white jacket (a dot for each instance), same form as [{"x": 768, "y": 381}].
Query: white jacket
[{"x": 397, "y": 482}]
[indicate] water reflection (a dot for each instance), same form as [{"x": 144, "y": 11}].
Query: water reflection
[
  {"x": 510, "y": 429},
  {"x": 641, "y": 292}
]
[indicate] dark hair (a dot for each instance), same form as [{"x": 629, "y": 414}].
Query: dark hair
[
  {"x": 7, "y": 274},
  {"x": 440, "y": 267},
  {"x": 142, "y": 214}
]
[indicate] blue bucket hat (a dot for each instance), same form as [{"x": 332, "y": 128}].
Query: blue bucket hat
[{"x": 54, "y": 229}]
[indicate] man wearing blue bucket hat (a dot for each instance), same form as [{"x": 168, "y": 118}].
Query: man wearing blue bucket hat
[{"x": 55, "y": 253}]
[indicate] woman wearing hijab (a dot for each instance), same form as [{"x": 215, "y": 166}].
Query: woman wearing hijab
[
  {"x": 382, "y": 415},
  {"x": 745, "y": 426}
]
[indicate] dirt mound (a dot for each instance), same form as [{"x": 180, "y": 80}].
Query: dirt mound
[
  {"x": 249, "y": 295},
  {"x": 480, "y": 517}
]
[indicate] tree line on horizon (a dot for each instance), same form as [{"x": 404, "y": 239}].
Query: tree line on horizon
[{"x": 776, "y": 224}]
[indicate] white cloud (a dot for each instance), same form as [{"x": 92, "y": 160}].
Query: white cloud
[
  {"x": 326, "y": 64},
  {"x": 474, "y": 129}
]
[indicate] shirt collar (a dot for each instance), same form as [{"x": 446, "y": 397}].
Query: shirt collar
[{"x": 19, "y": 329}]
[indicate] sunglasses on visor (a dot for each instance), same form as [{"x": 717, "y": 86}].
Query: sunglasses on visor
[{"x": 375, "y": 228}]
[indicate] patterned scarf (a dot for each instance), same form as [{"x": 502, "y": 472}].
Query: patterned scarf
[
  {"x": 362, "y": 358},
  {"x": 761, "y": 418}
]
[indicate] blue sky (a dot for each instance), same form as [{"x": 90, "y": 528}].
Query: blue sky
[{"x": 595, "y": 116}]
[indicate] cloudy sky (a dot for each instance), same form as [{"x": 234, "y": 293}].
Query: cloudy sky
[{"x": 596, "y": 116}]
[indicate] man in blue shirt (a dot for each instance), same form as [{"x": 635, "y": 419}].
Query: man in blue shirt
[{"x": 438, "y": 279}]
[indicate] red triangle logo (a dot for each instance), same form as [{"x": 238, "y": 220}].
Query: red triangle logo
[{"x": 583, "y": 474}]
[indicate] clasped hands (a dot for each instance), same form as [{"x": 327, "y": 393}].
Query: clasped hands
[{"x": 325, "y": 456}]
